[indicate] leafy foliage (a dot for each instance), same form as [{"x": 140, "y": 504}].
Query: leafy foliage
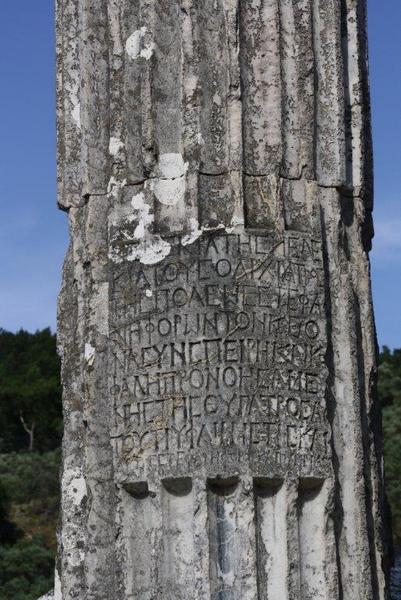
[
  {"x": 30, "y": 399},
  {"x": 30, "y": 391},
  {"x": 16, "y": 474},
  {"x": 390, "y": 394},
  {"x": 26, "y": 570},
  {"x": 9, "y": 532},
  {"x": 28, "y": 518},
  {"x": 33, "y": 500}
]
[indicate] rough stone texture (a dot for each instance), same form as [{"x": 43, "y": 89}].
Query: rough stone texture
[{"x": 222, "y": 433}]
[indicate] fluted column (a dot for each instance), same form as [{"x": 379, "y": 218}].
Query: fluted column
[{"x": 222, "y": 433}]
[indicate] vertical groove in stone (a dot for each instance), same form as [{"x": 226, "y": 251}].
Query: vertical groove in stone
[
  {"x": 213, "y": 52},
  {"x": 233, "y": 564},
  {"x": 292, "y": 540},
  {"x": 60, "y": 125},
  {"x": 330, "y": 135},
  {"x": 234, "y": 112},
  {"x": 261, "y": 86},
  {"x": 138, "y": 118},
  {"x": 247, "y": 572},
  {"x": 95, "y": 117},
  {"x": 301, "y": 205},
  {"x": 69, "y": 135},
  {"x": 72, "y": 535},
  {"x": 356, "y": 96},
  {"x": 298, "y": 104},
  {"x": 290, "y": 114},
  {"x": 117, "y": 148},
  {"x": 353, "y": 540},
  {"x": 234, "y": 103},
  {"x": 293, "y": 576},
  {"x": 359, "y": 163},
  {"x": 217, "y": 200},
  {"x": 100, "y": 558},
  {"x": 192, "y": 141},
  {"x": 217, "y": 205},
  {"x": 134, "y": 67},
  {"x": 260, "y": 61},
  {"x": 75, "y": 509},
  {"x": 315, "y": 543},
  {"x": 264, "y": 207},
  {"x": 224, "y": 560},
  {"x": 140, "y": 529},
  {"x": 271, "y": 539},
  {"x": 370, "y": 410},
  {"x": 167, "y": 101},
  {"x": 201, "y": 540},
  {"x": 178, "y": 555},
  {"x": 116, "y": 142},
  {"x": 167, "y": 78},
  {"x": 305, "y": 60},
  {"x": 149, "y": 150}
]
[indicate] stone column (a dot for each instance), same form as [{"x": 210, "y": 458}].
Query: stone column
[{"x": 222, "y": 432}]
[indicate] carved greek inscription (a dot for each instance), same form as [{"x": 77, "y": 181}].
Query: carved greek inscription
[{"x": 218, "y": 357}]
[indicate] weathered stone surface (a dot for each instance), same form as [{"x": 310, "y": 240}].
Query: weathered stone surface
[{"x": 222, "y": 433}]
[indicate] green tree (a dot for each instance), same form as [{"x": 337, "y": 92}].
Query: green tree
[
  {"x": 26, "y": 570},
  {"x": 390, "y": 395},
  {"x": 9, "y": 532},
  {"x": 30, "y": 419},
  {"x": 30, "y": 391},
  {"x": 27, "y": 547}
]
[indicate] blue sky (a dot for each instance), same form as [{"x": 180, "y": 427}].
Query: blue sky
[
  {"x": 385, "y": 63},
  {"x": 33, "y": 234}
]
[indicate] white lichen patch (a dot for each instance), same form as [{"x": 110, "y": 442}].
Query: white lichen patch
[
  {"x": 215, "y": 228},
  {"x": 114, "y": 186},
  {"x": 136, "y": 241},
  {"x": 78, "y": 489},
  {"x": 217, "y": 99},
  {"x": 150, "y": 251},
  {"x": 195, "y": 233},
  {"x": 115, "y": 146},
  {"x": 147, "y": 51},
  {"x": 74, "y": 100},
  {"x": 89, "y": 354},
  {"x": 151, "y": 248},
  {"x": 170, "y": 191},
  {"x": 236, "y": 223},
  {"x": 227, "y": 579},
  {"x": 76, "y": 112},
  {"x": 58, "y": 595},
  {"x": 135, "y": 48},
  {"x": 171, "y": 165},
  {"x": 138, "y": 202},
  {"x": 133, "y": 44},
  {"x": 75, "y": 488},
  {"x": 101, "y": 307},
  {"x": 148, "y": 293},
  {"x": 199, "y": 139},
  {"x": 143, "y": 216},
  {"x": 192, "y": 85},
  {"x": 170, "y": 185}
]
